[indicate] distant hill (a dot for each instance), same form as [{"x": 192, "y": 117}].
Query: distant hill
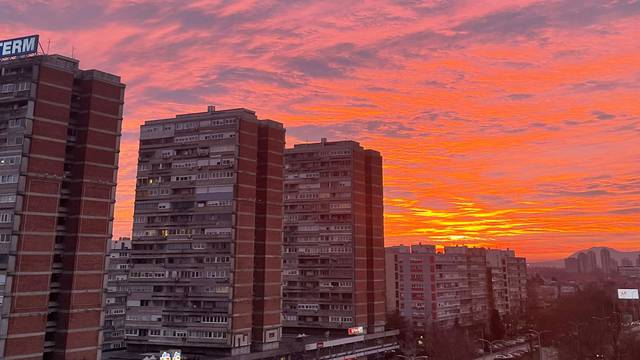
[{"x": 615, "y": 254}]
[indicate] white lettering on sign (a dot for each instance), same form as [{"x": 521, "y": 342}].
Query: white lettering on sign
[{"x": 20, "y": 46}]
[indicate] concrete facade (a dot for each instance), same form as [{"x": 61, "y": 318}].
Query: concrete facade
[
  {"x": 207, "y": 236},
  {"x": 333, "y": 255},
  {"x": 117, "y": 291},
  {"x": 459, "y": 285}
]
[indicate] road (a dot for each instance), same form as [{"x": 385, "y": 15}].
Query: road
[{"x": 504, "y": 351}]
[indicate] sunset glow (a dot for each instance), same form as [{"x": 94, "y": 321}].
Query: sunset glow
[{"x": 501, "y": 124}]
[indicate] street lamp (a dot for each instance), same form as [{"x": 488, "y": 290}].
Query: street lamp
[
  {"x": 488, "y": 343},
  {"x": 538, "y": 334}
]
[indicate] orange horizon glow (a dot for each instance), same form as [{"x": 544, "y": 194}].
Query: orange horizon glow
[{"x": 500, "y": 124}]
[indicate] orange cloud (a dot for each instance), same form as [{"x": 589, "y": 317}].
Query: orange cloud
[{"x": 503, "y": 125}]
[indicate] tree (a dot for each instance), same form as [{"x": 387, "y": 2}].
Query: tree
[
  {"x": 629, "y": 347},
  {"x": 496, "y": 326},
  {"x": 406, "y": 338},
  {"x": 449, "y": 343},
  {"x": 585, "y": 325}
]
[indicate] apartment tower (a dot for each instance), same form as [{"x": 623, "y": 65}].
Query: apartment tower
[
  {"x": 507, "y": 279},
  {"x": 59, "y": 144},
  {"x": 333, "y": 255},
  {"x": 411, "y": 283},
  {"x": 205, "y": 271},
  {"x": 458, "y": 286},
  {"x": 115, "y": 308}
]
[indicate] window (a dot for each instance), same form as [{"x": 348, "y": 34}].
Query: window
[
  {"x": 7, "y": 198},
  {"x": 219, "y": 274},
  {"x": 214, "y": 319},
  {"x": 144, "y": 167},
  {"x": 9, "y": 160},
  {"x": 5, "y": 238},
  {"x": 8, "y": 179},
  {"x": 132, "y": 332},
  {"x": 14, "y": 123},
  {"x": 7, "y": 88},
  {"x": 22, "y": 86},
  {"x": 164, "y": 205},
  {"x": 155, "y": 332},
  {"x": 312, "y": 307},
  {"x": 5, "y": 217}
]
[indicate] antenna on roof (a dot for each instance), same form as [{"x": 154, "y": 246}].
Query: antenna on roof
[{"x": 41, "y": 48}]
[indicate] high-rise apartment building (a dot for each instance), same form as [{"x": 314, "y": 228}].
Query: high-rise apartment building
[
  {"x": 411, "y": 283},
  {"x": 507, "y": 278},
  {"x": 207, "y": 236},
  {"x": 333, "y": 238},
  {"x": 458, "y": 286},
  {"x": 59, "y": 143},
  {"x": 115, "y": 307},
  {"x": 461, "y": 286}
]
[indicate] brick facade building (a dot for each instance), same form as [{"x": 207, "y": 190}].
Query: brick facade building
[
  {"x": 59, "y": 143},
  {"x": 333, "y": 256},
  {"x": 207, "y": 236}
]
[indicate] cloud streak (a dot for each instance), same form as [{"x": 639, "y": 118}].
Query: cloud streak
[{"x": 496, "y": 121}]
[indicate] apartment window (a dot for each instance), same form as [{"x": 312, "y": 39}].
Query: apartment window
[
  {"x": 144, "y": 167},
  {"x": 8, "y": 179},
  {"x": 198, "y": 246},
  {"x": 9, "y": 160},
  {"x": 7, "y": 198},
  {"x": 167, "y": 153},
  {"x": 22, "y": 86},
  {"x": 220, "y": 274},
  {"x": 164, "y": 205},
  {"x": 155, "y": 332},
  {"x": 132, "y": 332},
  {"x": 5, "y": 217},
  {"x": 7, "y": 88},
  {"x": 214, "y": 319},
  {"x": 312, "y": 307},
  {"x": 5, "y": 238}
]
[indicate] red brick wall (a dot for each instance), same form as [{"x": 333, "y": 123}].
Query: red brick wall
[
  {"x": 245, "y": 228},
  {"x": 376, "y": 308},
  {"x": 30, "y": 292},
  {"x": 88, "y": 222},
  {"x": 267, "y": 266},
  {"x": 359, "y": 215}
]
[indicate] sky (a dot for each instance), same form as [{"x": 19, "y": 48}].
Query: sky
[{"x": 502, "y": 124}]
